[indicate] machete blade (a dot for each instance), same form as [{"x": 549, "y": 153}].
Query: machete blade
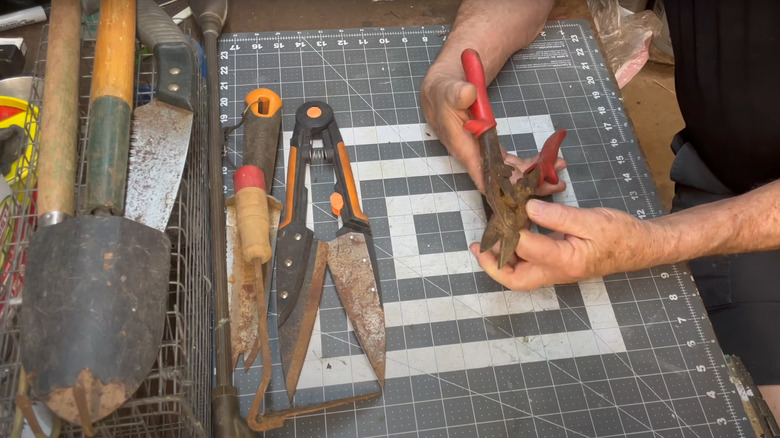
[
  {"x": 296, "y": 328},
  {"x": 351, "y": 267}
]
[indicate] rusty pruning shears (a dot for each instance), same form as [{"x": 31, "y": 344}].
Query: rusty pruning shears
[
  {"x": 506, "y": 200},
  {"x": 302, "y": 259}
]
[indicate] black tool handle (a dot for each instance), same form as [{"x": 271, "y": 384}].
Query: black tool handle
[
  {"x": 174, "y": 57},
  {"x": 261, "y": 131}
]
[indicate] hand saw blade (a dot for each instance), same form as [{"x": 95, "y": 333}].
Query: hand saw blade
[
  {"x": 161, "y": 128},
  {"x": 351, "y": 267},
  {"x": 295, "y": 331},
  {"x": 158, "y": 152}
]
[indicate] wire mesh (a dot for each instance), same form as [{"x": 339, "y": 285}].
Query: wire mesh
[{"x": 174, "y": 399}]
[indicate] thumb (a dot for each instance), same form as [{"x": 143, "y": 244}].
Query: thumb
[
  {"x": 557, "y": 217},
  {"x": 461, "y": 94}
]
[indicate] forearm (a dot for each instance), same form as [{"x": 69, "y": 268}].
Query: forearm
[
  {"x": 495, "y": 29},
  {"x": 746, "y": 223}
]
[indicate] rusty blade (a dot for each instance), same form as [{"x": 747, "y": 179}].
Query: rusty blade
[
  {"x": 242, "y": 296},
  {"x": 353, "y": 274},
  {"x": 158, "y": 151},
  {"x": 247, "y": 287},
  {"x": 295, "y": 332}
]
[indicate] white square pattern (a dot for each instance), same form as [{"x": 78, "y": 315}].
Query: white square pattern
[{"x": 410, "y": 263}]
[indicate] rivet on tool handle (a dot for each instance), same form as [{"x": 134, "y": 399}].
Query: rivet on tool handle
[{"x": 482, "y": 117}]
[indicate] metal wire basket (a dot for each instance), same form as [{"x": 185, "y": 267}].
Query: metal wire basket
[{"x": 174, "y": 400}]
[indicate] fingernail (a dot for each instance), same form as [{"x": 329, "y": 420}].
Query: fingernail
[{"x": 535, "y": 207}]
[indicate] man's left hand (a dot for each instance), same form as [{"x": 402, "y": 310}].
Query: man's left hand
[{"x": 585, "y": 243}]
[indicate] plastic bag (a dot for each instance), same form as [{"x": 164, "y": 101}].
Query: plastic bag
[{"x": 625, "y": 37}]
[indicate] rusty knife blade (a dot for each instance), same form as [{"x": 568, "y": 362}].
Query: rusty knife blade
[
  {"x": 352, "y": 270},
  {"x": 295, "y": 330}
]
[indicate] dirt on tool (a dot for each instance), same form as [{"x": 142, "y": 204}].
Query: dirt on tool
[{"x": 243, "y": 293}]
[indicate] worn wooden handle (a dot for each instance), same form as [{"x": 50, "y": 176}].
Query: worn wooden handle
[
  {"x": 114, "y": 51},
  {"x": 252, "y": 218},
  {"x": 111, "y": 107},
  {"x": 58, "y": 136}
]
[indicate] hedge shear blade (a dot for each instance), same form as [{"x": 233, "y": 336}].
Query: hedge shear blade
[
  {"x": 302, "y": 259},
  {"x": 506, "y": 201}
]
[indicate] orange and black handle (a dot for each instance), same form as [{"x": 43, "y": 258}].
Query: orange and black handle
[
  {"x": 315, "y": 120},
  {"x": 261, "y": 131}
]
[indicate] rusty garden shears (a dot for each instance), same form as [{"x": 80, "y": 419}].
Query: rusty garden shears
[{"x": 301, "y": 259}]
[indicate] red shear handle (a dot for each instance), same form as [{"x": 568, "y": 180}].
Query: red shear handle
[
  {"x": 482, "y": 117},
  {"x": 547, "y": 158}
]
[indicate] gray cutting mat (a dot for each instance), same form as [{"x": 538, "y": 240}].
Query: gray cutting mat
[{"x": 627, "y": 355}]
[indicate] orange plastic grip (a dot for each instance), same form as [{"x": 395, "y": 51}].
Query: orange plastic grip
[
  {"x": 290, "y": 188},
  {"x": 268, "y": 102},
  {"x": 349, "y": 181}
]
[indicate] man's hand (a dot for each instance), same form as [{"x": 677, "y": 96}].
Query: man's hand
[
  {"x": 586, "y": 243},
  {"x": 495, "y": 29},
  {"x": 445, "y": 97}
]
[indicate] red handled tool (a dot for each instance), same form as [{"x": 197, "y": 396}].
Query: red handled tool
[{"x": 506, "y": 200}]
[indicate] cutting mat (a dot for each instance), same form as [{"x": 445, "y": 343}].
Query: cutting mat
[{"x": 626, "y": 355}]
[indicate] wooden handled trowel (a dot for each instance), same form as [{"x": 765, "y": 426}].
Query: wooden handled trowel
[{"x": 96, "y": 285}]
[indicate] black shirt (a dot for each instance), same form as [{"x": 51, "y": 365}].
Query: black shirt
[{"x": 727, "y": 77}]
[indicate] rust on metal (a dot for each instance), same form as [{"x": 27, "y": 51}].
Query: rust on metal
[
  {"x": 275, "y": 420},
  {"x": 295, "y": 333},
  {"x": 243, "y": 296},
  {"x": 507, "y": 200},
  {"x": 160, "y": 139},
  {"x": 99, "y": 399},
  {"x": 353, "y": 275}
]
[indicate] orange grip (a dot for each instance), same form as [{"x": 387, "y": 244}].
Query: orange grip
[
  {"x": 253, "y": 224},
  {"x": 349, "y": 180},
  {"x": 290, "y": 188},
  {"x": 268, "y": 102},
  {"x": 336, "y": 203}
]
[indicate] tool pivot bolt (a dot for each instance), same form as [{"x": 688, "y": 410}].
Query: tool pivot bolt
[
  {"x": 297, "y": 236},
  {"x": 284, "y": 295},
  {"x": 288, "y": 263}
]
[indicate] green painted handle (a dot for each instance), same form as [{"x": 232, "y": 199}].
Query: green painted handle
[{"x": 111, "y": 107}]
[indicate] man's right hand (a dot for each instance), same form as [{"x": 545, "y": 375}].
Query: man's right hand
[{"x": 445, "y": 97}]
